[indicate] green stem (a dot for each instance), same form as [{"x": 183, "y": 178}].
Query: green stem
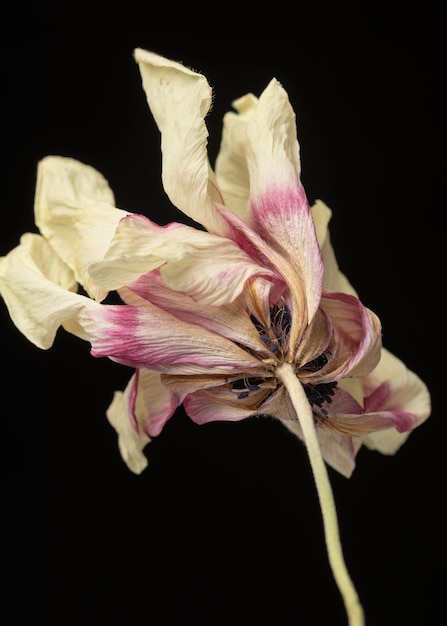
[{"x": 287, "y": 376}]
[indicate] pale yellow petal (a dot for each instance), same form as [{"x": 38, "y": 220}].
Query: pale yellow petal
[
  {"x": 231, "y": 163},
  {"x": 37, "y": 287},
  {"x": 408, "y": 393},
  {"x": 74, "y": 210},
  {"x": 209, "y": 268},
  {"x": 130, "y": 443},
  {"x": 269, "y": 142},
  {"x": 180, "y": 99},
  {"x": 333, "y": 278}
]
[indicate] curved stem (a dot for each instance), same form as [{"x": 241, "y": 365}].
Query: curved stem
[{"x": 286, "y": 374}]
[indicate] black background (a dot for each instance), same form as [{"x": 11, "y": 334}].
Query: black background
[{"x": 224, "y": 526}]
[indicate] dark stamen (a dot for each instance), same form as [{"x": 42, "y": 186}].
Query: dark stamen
[{"x": 320, "y": 394}]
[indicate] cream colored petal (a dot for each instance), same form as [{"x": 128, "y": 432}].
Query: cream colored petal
[
  {"x": 180, "y": 99},
  {"x": 338, "y": 451},
  {"x": 333, "y": 278},
  {"x": 74, "y": 210},
  {"x": 231, "y": 164},
  {"x": 229, "y": 320},
  {"x": 209, "y": 268},
  {"x": 407, "y": 393},
  {"x": 130, "y": 444},
  {"x": 154, "y": 403},
  {"x": 268, "y": 139},
  {"x": 37, "y": 287}
]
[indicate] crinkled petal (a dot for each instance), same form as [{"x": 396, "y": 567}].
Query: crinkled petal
[
  {"x": 284, "y": 220},
  {"x": 231, "y": 163},
  {"x": 209, "y": 268},
  {"x": 37, "y": 287},
  {"x": 339, "y": 451},
  {"x": 151, "y": 402},
  {"x": 148, "y": 337},
  {"x": 221, "y": 405},
  {"x": 263, "y": 135},
  {"x": 130, "y": 442},
  {"x": 333, "y": 279},
  {"x": 302, "y": 291},
  {"x": 259, "y": 143},
  {"x": 393, "y": 388},
  {"x": 180, "y": 99},
  {"x": 74, "y": 210},
  {"x": 357, "y": 337},
  {"x": 229, "y": 320}
]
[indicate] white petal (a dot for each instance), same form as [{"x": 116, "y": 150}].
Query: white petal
[
  {"x": 75, "y": 213},
  {"x": 38, "y": 287},
  {"x": 179, "y": 99}
]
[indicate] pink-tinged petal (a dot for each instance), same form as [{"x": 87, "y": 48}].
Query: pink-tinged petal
[
  {"x": 339, "y": 451},
  {"x": 148, "y": 337},
  {"x": 263, "y": 138},
  {"x": 210, "y": 269},
  {"x": 130, "y": 442},
  {"x": 229, "y": 320},
  {"x": 74, "y": 210},
  {"x": 284, "y": 220},
  {"x": 357, "y": 337},
  {"x": 291, "y": 274},
  {"x": 151, "y": 404},
  {"x": 37, "y": 287},
  {"x": 393, "y": 388},
  {"x": 214, "y": 406},
  {"x": 179, "y": 100},
  {"x": 369, "y": 422},
  {"x": 267, "y": 136}
]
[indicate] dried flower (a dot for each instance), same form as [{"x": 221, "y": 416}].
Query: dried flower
[{"x": 247, "y": 314}]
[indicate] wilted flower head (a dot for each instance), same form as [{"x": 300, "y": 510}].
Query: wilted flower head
[{"x": 247, "y": 314}]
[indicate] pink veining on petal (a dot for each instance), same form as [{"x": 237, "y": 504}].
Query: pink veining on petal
[
  {"x": 357, "y": 332},
  {"x": 132, "y": 398},
  {"x": 230, "y": 320},
  {"x": 380, "y": 402},
  {"x": 154, "y": 422},
  {"x": 148, "y": 337},
  {"x": 205, "y": 406}
]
